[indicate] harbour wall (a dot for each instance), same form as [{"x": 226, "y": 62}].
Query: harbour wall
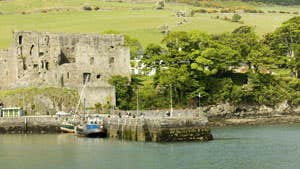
[
  {"x": 154, "y": 129},
  {"x": 29, "y": 125},
  {"x": 158, "y": 129}
]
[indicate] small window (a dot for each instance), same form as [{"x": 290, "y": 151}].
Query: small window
[
  {"x": 98, "y": 76},
  {"x": 46, "y": 39},
  {"x": 111, "y": 60},
  {"x": 35, "y": 65},
  {"x": 20, "y": 39},
  {"x": 41, "y": 54},
  {"x": 68, "y": 75},
  {"x": 112, "y": 47},
  {"x": 86, "y": 77},
  {"x": 92, "y": 60}
]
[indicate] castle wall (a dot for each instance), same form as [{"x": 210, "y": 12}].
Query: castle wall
[
  {"x": 67, "y": 60},
  {"x": 103, "y": 95},
  {"x": 8, "y": 68}
]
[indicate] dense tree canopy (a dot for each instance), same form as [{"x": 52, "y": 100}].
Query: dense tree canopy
[
  {"x": 236, "y": 67},
  {"x": 285, "y": 41}
]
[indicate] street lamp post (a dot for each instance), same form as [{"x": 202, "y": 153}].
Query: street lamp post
[
  {"x": 137, "y": 102},
  {"x": 171, "y": 101},
  {"x": 199, "y": 101}
]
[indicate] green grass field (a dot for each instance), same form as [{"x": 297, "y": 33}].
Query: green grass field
[{"x": 139, "y": 20}]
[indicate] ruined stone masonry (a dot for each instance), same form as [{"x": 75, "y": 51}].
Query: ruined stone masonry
[{"x": 37, "y": 59}]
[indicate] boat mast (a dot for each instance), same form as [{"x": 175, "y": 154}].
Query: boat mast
[
  {"x": 84, "y": 104},
  {"x": 81, "y": 93}
]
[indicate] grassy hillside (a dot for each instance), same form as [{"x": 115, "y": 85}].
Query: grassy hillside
[
  {"x": 139, "y": 20},
  {"x": 42, "y": 101}
]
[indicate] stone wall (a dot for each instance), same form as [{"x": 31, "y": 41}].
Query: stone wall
[
  {"x": 8, "y": 68},
  {"x": 158, "y": 129},
  {"x": 65, "y": 60},
  {"x": 230, "y": 114},
  {"x": 29, "y": 125},
  {"x": 126, "y": 128}
]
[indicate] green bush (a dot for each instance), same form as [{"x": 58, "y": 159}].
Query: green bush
[
  {"x": 236, "y": 18},
  {"x": 87, "y": 8}
]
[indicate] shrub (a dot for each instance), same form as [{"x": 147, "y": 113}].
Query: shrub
[
  {"x": 200, "y": 11},
  {"x": 212, "y": 11},
  {"x": 44, "y": 11},
  {"x": 227, "y": 10},
  {"x": 250, "y": 11},
  {"x": 192, "y": 13},
  {"x": 87, "y": 8},
  {"x": 236, "y": 18},
  {"x": 226, "y": 18},
  {"x": 160, "y": 4},
  {"x": 164, "y": 29},
  {"x": 247, "y": 10}
]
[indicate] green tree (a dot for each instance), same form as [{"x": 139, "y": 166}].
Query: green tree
[
  {"x": 123, "y": 89},
  {"x": 285, "y": 42},
  {"x": 153, "y": 57},
  {"x": 219, "y": 59}
]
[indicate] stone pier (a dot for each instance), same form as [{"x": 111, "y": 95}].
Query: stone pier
[
  {"x": 125, "y": 127},
  {"x": 158, "y": 129}
]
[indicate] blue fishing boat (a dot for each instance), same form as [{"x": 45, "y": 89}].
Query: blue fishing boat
[{"x": 93, "y": 127}]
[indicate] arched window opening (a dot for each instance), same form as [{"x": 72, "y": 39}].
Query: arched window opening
[{"x": 20, "y": 39}]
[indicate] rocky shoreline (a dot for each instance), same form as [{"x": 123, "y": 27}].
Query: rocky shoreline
[
  {"x": 289, "y": 119},
  {"x": 227, "y": 114}
]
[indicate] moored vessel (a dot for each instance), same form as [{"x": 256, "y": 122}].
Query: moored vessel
[
  {"x": 93, "y": 127},
  {"x": 67, "y": 127}
]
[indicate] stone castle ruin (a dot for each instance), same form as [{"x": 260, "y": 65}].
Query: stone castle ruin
[{"x": 38, "y": 59}]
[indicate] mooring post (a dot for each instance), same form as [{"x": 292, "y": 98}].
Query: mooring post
[{"x": 25, "y": 123}]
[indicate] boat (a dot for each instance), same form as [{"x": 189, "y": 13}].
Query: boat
[
  {"x": 67, "y": 127},
  {"x": 93, "y": 127}
]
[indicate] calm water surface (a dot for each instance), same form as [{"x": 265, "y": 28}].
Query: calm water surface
[{"x": 254, "y": 147}]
